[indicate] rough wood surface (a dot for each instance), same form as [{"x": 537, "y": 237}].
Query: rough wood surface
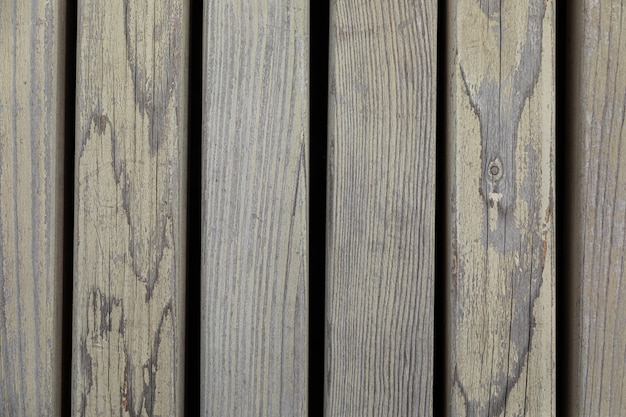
[
  {"x": 501, "y": 131},
  {"x": 254, "y": 214},
  {"x": 600, "y": 114},
  {"x": 31, "y": 205},
  {"x": 129, "y": 248},
  {"x": 380, "y": 248}
]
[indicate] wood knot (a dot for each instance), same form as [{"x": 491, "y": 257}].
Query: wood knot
[{"x": 495, "y": 169}]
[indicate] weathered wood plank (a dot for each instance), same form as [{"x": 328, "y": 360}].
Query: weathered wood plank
[
  {"x": 130, "y": 203},
  {"x": 600, "y": 212},
  {"x": 254, "y": 214},
  {"x": 32, "y": 46},
  {"x": 380, "y": 249},
  {"x": 501, "y": 132}
]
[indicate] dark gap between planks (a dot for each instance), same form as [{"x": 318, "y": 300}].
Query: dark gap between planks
[
  {"x": 564, "y": 177},
  {"x": 68, "y": 206},
  {"x": 318, "y": 125},
  {"x": 193, "y": 328},
  {"x": 440, "y": 322}
]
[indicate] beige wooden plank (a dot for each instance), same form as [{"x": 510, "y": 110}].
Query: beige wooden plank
[
  {"x": 32, "y": 39},
  {"x": 380, "y": 244},
  {"x": 501, "y": 133},
  {"x": 254, "y": 214},
  {"x": 130, "y": 200},
  {"x": 600, "y": 215}
]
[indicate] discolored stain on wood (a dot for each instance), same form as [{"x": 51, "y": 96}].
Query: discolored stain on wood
[
  {"x": 102, "y": 123},
  {"x": 153, "y": 89},
  {"x": 130, "y": 208},
  {"x": 125, "y": 391},
  {"x": 502, "y": 140}
]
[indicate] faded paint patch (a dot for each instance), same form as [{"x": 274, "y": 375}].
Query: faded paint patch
[{"x": 501, "y": 232}]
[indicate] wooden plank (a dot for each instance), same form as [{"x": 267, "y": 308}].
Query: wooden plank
[
  {"x": 254, "y": 214},
  {"x": 380, "y": 248},
  {"x": 130, "y": 200},
  {"x": 501, "y": 132},
  {"x": 600, "y": 210},
  {"x": 31, "y": 205}
]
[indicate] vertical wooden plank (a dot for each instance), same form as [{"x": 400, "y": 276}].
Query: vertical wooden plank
[
  {"x": 380, "y": 248},
  {"x": 501, "y": 131},
  {"x": 254, "y": 214},
  {"x": 31, "y": 205},
  {"x": 600, "y": 216},
  {"x": 130, "y": 203}
]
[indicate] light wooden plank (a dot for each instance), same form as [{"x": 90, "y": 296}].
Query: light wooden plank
[
  {"x": 254, "y": 214},
  {"x": 32, "y": 39},
  {"x": 600, "y": 211},
  {"x": 381, "y": 169},
  {"x": 130, "y": 198},
  {"x": 501, "y": 132}
]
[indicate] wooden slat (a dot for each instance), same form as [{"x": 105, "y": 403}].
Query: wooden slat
[
  {"x": 31, "y": 205},
  {"x": 600, "y": 213},
  {"x": 501, "y": 131},
  {"x": 380, "y": 249},
  {"x": 130, "y": 200},
  {"x": 254, "y": 214}
]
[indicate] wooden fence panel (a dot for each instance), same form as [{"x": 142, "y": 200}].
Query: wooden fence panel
[
  {"x": 600, "y": 210},
  {"x": 501, "y": 131},
  {"x": 32, "y": 46},
  {"x": 130, "y": 208},
  {"x": 380, "y": 249},
  {"x": 130, "y": 199},
  {"x": 254, "y": 214}
]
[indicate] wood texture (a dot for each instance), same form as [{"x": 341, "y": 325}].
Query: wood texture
[
  {"x": 254, "y": 214},
  {"x": 130, "y": 200},
  {"x": 380, "y": 244},
  {"x": 501, "y": 131},
  {"x": 600, "y": 219},
  {"x": 31, "y": 205}
]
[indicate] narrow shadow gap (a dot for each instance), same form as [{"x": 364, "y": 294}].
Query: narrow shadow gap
[
  {"x": 442, "y": 276},
  {"x": 194, "y": 214},
  {"x": 68, "y": 205},
  {"x": 564, "y": 212},
  {"x": 318, "y": 125}
]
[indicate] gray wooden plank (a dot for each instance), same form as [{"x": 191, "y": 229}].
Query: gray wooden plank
[
  {"x": 130, "y": 199},
  {"x": 32, "y": 131},
  {"x": 254, "y": 213},
  {"x": 599, "y": 209},
  {"x": 380, "y": 236},
  {"x": 501, "y": 136}
]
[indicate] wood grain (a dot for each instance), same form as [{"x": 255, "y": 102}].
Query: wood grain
[
  {"x": 31, "y": 205},
  {"x": 380, "y": 244},
  {"x": 501, "y": 133},
  {"x": 130, "y": 200},
  {"x": 254, "y": 214},
  {"x": 600, "y": 209}
]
